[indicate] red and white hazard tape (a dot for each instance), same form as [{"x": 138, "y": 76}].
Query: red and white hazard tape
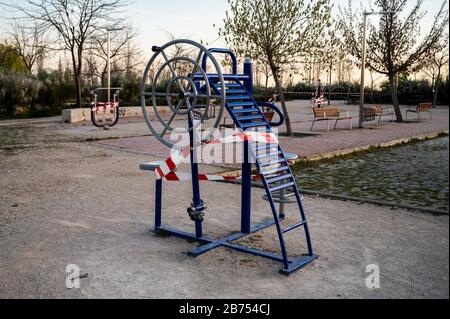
[
  {"x": 179, "y": 156},
  {"x": 251, "y": 136},
  {"x": 104, "y": 105},
  {"x": 182, "y": 177}
]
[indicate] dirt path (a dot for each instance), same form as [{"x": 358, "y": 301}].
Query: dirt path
[{"x": 78, "y": 203}]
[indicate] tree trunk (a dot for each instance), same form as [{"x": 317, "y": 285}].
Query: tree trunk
[
  {"x": 77, "y": 78},
  {"x": 436, "y": 87},
  {"x": 329, "y": 83},
  {"x": 279, "y": 89},
  {"x": 79, "y": 72},
  {"x": 398, "y": 111},
  {"x": 371, "y": 93},
  {"x": 78, "y": 89},
  {"x": 256, "y": 76},
  {"x": 104, "y": 79},
  {"x": 436, "y": 92}
]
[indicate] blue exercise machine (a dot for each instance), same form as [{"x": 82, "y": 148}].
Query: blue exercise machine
[{"x": 184, "y": 88}]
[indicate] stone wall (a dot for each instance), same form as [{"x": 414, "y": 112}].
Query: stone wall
[{"x": 84, "y": 114}]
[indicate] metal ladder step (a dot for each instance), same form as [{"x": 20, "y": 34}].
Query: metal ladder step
[
  {"x": 280, "y": 187},
  {"x": 253, "y": 124},
  {"x": 233, "y": 91},
  {"x": 278, "y": 178},
  {"x": 229, "y": 85},
  {"x": 275, "y": 170},
  {"x": 249, "y": 110},
  {"x": 272, "y": 162},
  {"x": 240, "y": 103},
  {"x": 226, "y": 77},
  {"x": 267, "y": 155},
  {"x": 249, "y": 117},
  {"x": 292, "y": 227},
  {"x": 265, "y": 146},
  {"x": 238, "y": 97}
]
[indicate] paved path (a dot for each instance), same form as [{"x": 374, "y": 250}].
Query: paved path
[
  {"x": 65, "y": 201},
  {"x": 40, "y": 120},
  {"x": 318, "y": 142}
]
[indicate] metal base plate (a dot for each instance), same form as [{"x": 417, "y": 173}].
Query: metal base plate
[{"x": 209, "y": 243}]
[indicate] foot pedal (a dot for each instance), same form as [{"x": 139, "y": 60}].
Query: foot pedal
[{"x": 196, "y": 213}]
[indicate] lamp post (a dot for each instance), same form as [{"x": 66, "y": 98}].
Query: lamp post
[
  {"x": 329, "y": 81},
  {"x": 363, "y": 62},
  {"x": 109, "y": 30}
]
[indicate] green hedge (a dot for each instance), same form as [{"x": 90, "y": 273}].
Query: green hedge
[{"x": 47, "y": 93}]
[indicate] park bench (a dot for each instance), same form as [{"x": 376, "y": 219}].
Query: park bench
[
  {"x": 374, "y": 113},
  {"x": 421, "y": 107},
  {"x": 330, "y": 114}
]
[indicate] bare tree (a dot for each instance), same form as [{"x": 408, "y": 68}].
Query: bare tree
[
  {"x": 178, "y": 50},
  {"x": 394, "y": 47},
  {"x": 133, "y": 58},
  {"x": 74, "y": 22},
  {"x": 91, "y": 69},
  {"x": 434, "y": 69},
  {"x": 124, "y": 54},
  {"x": 373, "y": 79},
  {"x": 264, "y": 69},
  {"x": 344, "y": 70},
  {"x": 276, "y": 32},
  {"x": 28, "y": 42},
  {"x": 330, "y": 53}
]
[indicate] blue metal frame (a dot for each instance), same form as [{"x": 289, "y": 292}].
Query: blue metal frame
[
  {"x": 289, "y": 265},
  {"x": 276, "y": 110},
  {"x": 248, "y": 71},
  {"x": 246, "y": 192},
  {"x": 222, "y": 51},
  {"x": 207, "y": 243},
  {"x": 197, "y": 203}
]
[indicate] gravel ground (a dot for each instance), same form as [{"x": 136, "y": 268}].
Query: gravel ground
[{"x": 65, "y": 202}]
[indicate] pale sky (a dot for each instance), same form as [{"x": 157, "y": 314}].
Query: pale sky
[{"x": 194, "y": 19}]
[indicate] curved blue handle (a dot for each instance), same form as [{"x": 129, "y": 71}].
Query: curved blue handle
[
  {"x": 223, "y": 51},
  {"x": 276, "y": 109}
]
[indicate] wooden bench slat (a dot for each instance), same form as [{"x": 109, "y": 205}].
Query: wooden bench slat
[
  {"x": 329, "y": 114},
  {"x": 424, "y": 107},
  {"x": 421, "y": 107},
  {"x": 326, "y": 112}
]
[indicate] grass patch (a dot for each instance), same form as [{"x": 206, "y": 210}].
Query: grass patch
[
  {"x": 306, "y": 163},
  {"x": 299, "y": 134}
]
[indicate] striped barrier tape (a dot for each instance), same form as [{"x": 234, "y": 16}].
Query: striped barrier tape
[
  {"x": 104, "y": 105},
  {"x": 182, "y": 177},
  {"x": 178, "y": 157}
]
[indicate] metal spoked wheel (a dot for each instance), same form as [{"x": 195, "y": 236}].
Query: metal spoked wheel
[{"x": 181, "y": 92}]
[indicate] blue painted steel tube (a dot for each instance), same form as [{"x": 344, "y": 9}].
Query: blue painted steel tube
[
  {"x": 303, "y": 216},
  {"x": 158, "y": 203},
  {"x": 196, "y": 200},
  {"x": 246, "y": 191},
  {"x": 248, "y": 70},
  {"x": 222, "y": 51}
]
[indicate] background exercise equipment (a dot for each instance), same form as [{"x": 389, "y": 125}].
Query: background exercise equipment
[{"x": 105, "y": 114}]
